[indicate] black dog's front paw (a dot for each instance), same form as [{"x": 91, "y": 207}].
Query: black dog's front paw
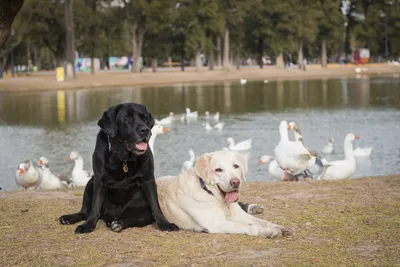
[
  {"x": 116, "y": 226},
  {"x": 84, "y": 228},
  {"x": 72, "y": 218},
  {"x": 65, "y": 219},
  {"x": 168, "y": 227}
]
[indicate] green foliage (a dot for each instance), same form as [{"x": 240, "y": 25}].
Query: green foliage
[
  {"x": 180, "y": 28},
  {"x": 42, "y": 23}
]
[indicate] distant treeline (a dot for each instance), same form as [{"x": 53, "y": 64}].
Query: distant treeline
[{"x": 222, "y": 31}]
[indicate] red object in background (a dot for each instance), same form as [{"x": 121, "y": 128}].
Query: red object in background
[{"x": 361, "y": 56}]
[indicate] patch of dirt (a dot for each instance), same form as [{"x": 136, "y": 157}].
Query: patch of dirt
[
  {"x": 367, "y": 250},
  {"x": 303, "y": 195},
  {"x": 43, "y": 194}
]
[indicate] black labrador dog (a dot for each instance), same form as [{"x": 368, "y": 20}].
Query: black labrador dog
[{"x": 122, "y": 190}]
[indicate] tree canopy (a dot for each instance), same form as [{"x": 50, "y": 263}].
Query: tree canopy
[{"x": 184, "y": 29}]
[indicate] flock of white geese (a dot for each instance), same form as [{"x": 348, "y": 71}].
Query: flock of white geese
[{"x": 292, "y": 160}]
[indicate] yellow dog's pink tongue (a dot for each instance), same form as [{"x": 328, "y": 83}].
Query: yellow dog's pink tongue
[
  {"x": 141, "y": 146},
  {"x": 231, "y": 197}
]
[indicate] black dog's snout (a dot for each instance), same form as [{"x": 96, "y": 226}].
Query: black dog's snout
[{"x": 144, "y": 130}]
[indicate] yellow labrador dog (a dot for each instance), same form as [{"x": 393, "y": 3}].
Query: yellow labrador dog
[{"x": 204, "y": 198}]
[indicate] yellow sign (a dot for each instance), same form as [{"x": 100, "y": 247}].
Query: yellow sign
[{"x": 60, "y": 74}]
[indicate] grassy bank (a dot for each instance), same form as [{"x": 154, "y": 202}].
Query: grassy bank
[
  {"x": 337, "y": 223},
  {"x": 43, "y": 82}
]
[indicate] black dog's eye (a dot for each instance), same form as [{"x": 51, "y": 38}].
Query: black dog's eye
[
  {"x": 142, "y": 116},
  {"x": 236, "y": 166},
  {"x": 128, "y": 119},
  {"x": 218, "y": 170}
]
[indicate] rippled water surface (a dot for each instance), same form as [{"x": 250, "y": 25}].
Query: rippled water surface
[{"x": 52, "y": 124}]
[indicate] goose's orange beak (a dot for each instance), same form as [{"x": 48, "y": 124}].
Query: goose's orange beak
[
  {"x": 69, "y": 159},
  {"x": 289, "y": 127},
  {"x": 356, "y": 137},
  {"x": 21, "y": 171},
  {"x": 40, "y": 162},
  {"x": 164, "y": 130},
  {"x": 260, "y": 162}
]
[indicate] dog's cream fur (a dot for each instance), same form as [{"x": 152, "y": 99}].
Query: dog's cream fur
[{"x": 190, "y": 207}]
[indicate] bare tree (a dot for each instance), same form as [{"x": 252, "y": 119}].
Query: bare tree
[{"x": 70, "y": 35}]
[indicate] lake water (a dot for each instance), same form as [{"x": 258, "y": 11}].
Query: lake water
[{"x": 52, "y": 124}]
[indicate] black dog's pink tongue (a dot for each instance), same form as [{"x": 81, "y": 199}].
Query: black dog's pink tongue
[
  {"x": 231, "y": 197},
  {"x": 141, "y": 146}
]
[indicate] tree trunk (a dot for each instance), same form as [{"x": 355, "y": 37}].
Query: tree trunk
[
  {"x": 92, "y": 49},
  {"x": 59, "y": 57},
  {"x": 198, "y": 60},
  {"x": 183, "y": 54},
  {"x": 300, "y": 55},
  {"x": 280, "y": 63},
  {"x": 139, "y": 62},
  {"x": 3, "y": 62},
  {"x": 9, "y": 11},
  {"x": 49, "y": 59},
  {"x": 211, "y": 60},
  {"x": 93, "y": 37},
  {"x": 169, "y": 62},
  {"x": 134, "y": 47},
  {"x": 219, "y": 62},
  {"x": 28, "y": 57},
  {"x": 226, "y": 49},
  {"x": 154, "y": 64},
  {"x": 70, "y": 35},
  {"x": 237, "y": 60},
  {"x": 260, "y": 52},
  {"x": 323, "y": 54}
]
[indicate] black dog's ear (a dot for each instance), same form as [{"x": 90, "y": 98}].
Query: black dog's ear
[
  {"x": 108, "y": 121},
  {"x": 150, "y": 120}
]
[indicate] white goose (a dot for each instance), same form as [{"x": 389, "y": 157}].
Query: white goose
[
  {"x": 28, "y": 176},
  {"x": 342, "y": 169},
  {"x": 208, "y": 127},
  {"x": 362, "y": 152},
  {"x": 219, "y": 126},
  {"x": 273, "y": 167},
  {"x": 191, "y": 115},
  {"x": 241, "y": 146},
  {"x": 166, "y": 120},
  {"x": 243, "y": 81},
  {"x": 316, "y": 165},
  {"x": 189, "y": 163},
  {"x": 293, "y": 157},
  {"x": 214, "y": 117},
  {"x": 80, "y": 177},
  {"x": 49, "y": 181},
  {"x": 156, "y": 130},
  {"x": 328, "y": 148}
]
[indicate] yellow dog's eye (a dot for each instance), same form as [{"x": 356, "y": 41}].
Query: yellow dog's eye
[
  {"x": 218, "y": 170},
  {"x": 236, "y": 166}
]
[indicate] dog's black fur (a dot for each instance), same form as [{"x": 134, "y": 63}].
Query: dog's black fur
[{"x": 121, "y": 199}]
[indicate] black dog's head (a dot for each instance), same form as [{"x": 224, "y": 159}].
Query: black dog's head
[{"x": 129, "y": 124}]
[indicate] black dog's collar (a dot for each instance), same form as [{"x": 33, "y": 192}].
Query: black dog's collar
[{"x": 203, "y": 185}]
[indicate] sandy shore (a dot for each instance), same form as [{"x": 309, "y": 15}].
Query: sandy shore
[
  {"x": 337, "y": 223},
  {"x": 165, "y": 76}
]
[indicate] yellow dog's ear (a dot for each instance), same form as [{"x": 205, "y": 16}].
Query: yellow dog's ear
[
  {"x": 244, "y": 166},
  {"x": 202, "y": 167}
]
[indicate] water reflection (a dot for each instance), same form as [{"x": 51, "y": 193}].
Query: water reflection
[{"x": 62, "y": 108}]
